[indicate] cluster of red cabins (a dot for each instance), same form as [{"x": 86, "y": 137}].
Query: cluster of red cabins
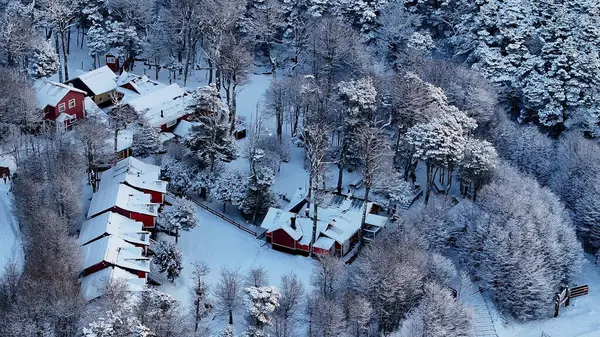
[
  {"x": 121, "y": 218},
  {"x": 337, "y": 232}
]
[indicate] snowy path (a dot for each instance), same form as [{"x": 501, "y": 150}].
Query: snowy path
[{"x": 11, "y": 249}]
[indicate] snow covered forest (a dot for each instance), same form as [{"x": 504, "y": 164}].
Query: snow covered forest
[{"x": 471, "y": 127}]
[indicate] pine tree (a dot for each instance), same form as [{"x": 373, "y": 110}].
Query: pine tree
[
  {"x": 146, "y": 141},
  {"x": 228, "y": 331},
  {"x": 44, "y": 62},
  {"x": 211, "y": 142},
  {"x": 180, "y": 216},
  {"x": 230, "y": 188},
  {"x": 168, "y": 258}
]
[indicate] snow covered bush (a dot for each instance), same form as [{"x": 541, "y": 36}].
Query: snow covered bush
[
  {"x": 115, "y": 324},
  {"x": 167, "y": 256}
]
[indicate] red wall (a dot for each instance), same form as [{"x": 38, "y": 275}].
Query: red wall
[
  {"x": 164, "y": 127},
  {"x": 77, "y": 110},
  {"x": 321, "y": 251},
  {"x": 147, "y": 220},
  {"x": 155, "y": 197},
  {"x": 280, "y": 237},
  {"x": 95, "y": 268}
]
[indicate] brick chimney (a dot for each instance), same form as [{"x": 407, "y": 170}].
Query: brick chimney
[{"x": 293, "y": 222}]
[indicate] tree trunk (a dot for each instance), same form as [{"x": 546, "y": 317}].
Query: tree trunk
[
  {"x": 230, "y": 317},
  {"x": 210, "y": 70},
  {"x": 65, "y": 54},
  {"x": 341, "y": 166},
  {"x": 218, "y": 80},
  {"x": 428, "y": 184},
  {"x": 188, "y": 55},
  {"x": 57, "y": 48},
  {"x": 364, "y": 214},
  {"x": 232, "y": 111},
  {"x": 69, "y": 42},
  {"x": 315, "y": 217}
]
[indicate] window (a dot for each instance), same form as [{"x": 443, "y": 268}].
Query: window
[
  {"x": 171, "y": 123},
  {"x": 71, "y": 103},
  {"x": 110, "y": 59},
  {"x": 61, "y": 107}
]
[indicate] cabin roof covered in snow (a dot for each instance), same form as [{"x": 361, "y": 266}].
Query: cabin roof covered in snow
[
  {"x": 183, "y": 128},
  {"x": 116, "y": 252},
  {"x": 324, "y": 242},
  {"x": 122, "y": 196},
  {"x": 93, "y": 285},
  {"x": 110, "y": 223},
  {"x": 163, "y": 105},
  {"x": 99, "y": 81},
  {"x": 279, "y": 219},
  {"x": 135, "y": 173},
  {"x": 140, "y": 84},
  {"x": 50, "y": 92}
]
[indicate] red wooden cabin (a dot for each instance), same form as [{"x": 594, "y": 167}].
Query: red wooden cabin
[{"x": 60, "y": 102}]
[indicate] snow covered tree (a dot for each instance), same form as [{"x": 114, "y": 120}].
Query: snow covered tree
[
  {"x": 92, "y": 135},
  {"x": 228, "y": 292},
  {"x": 230, "y": 188},
  {"x": 326, "y": 316},
  {"x": 286, "y": 315},
  {"x": 167, "y": 256},
  {"x": 521, "y": 244},
  {"x": 228, "y": 331},
  {"x": 359, "y": 315},
  {"x": 146, "y": 141},
  {"x": 480, "y": 158},
  {"x": 19, "y": 103},
  {"x": 439, "y": 314},
  {"x": 161, "y": 313},
  {"x": 180, "y": 216},
  {"x": 97, "y": 42},
  {"x": 211, "y": 142},
  {"x": 113, "y": 324},
  {"x": 358, "y": 99},
  {"x": 200, "y": 291},
  {"x": 209, "y": 103},
  {"x": 60, "y": 14},
  {"x": 44, "y": 62},
  {"x": 260, "y": 303},
  {"x": 17, "y": 33},
  {"x": 328, "y": 277}
]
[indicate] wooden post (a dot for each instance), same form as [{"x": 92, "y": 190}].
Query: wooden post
[
  {"x": 568, "y": 300},
  {"x": 556, "y": 307}
]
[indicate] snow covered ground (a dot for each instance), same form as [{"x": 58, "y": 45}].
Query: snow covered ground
[
  {"x": 11, "y": 249},
  {"x": 219, "y": 244}
]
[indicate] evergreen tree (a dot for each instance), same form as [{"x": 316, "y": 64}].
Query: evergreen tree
[
  {"x": 211, "y": 142},
  {"x": 146, "y": 141},
  {"x": 168, "y": 258},
  {"x": 181, "y": 215},
  {"x": 44, "y": 62}
]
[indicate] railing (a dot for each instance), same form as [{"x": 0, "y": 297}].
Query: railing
[{"x": 544, "y": 334}]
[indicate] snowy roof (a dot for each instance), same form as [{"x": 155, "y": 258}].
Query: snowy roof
[
  {"x": 116, "y": 252},
  {"x": 92, "y": 286},
  {"x": 63, "y": 117},
  {"x": 135, "y": 173},
  {"x": 279, "y": 219},
  {"x": 50, "y": 93},
  {"x": 140, "y": 84},
  {"x": 163, "y": 105},
  {"x": 92, "y": 109},
  {"x": 99, "y": 80},
  {"x": 110, "y": 223},
  {"x": 376, "y": 220},
  {"x": 166, "y": 136},
  {"x": 122, "y": 196},
  {"x": 183, "y": 128},
  {"x": 324, "y": 242},
  {"x": 124, "y": 140}
]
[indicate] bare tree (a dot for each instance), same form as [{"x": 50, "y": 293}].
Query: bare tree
[
  {"x": 256, "y": 277},
  {"x": 61, "y": 14},
  {"x": 201, "y": 305},
  {"x": 234, "y": 61},
  {"x": 285, "y": 317},
  {"x": 93, "y": 135},
  {"x": 375, "y": 157},
  {"x": 228, "y": 292},
  {"x": 328, "y": 276}
]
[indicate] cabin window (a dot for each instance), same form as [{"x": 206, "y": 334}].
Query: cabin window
[
  {"x": 110, "y": 59},
  {"x": 61, "y": 107},
  {"x": 171, "y": 123},
  {"x": 71, "y": 103}
]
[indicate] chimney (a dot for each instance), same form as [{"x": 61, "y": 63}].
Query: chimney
[
  {"x": 293, "y": 222},
  {"x": 162, "y": 115}
]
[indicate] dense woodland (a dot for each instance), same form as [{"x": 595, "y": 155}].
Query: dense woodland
[{"x": 497, "y": 96}]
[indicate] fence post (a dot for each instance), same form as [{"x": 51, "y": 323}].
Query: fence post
[
  {"x": 568, "y": 301},
  {"x": 556, "y": 306}
]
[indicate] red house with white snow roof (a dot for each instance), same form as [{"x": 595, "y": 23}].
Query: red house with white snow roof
[
  {"x": 112, "y": 251},
  {"x": 114, "y": 224},
  {"x": 138, "y": 175},
  {"x": 164, "y": 107},
  {"x": 59, "y": 102},
  {"x": 126, "y": 201},
  {"x": 337, "y": 228}
]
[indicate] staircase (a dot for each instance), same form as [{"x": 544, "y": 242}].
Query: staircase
[{"x": 484, "y": 326}]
